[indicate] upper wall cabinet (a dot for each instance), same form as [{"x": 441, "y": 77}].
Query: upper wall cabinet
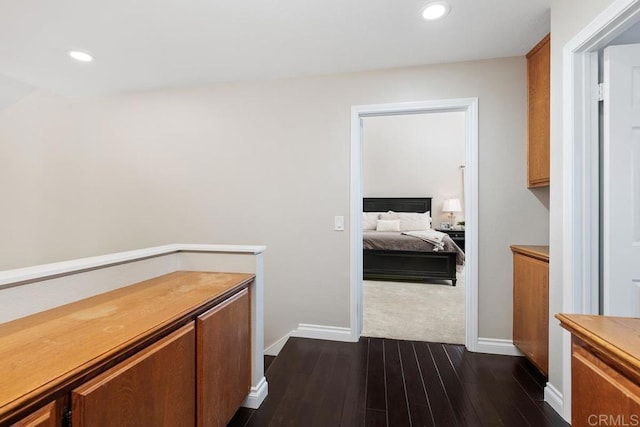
[{"x": 538, "y": 89}]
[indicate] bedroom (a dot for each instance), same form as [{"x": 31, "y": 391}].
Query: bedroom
[{"x": 414, "y": 155}]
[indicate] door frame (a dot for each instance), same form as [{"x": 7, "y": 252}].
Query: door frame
[
  {"x": 470, "y": 107},
  {"x": 580, "y": 169}
]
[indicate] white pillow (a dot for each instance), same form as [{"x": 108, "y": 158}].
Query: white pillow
[
  {"x": 410, "y": 221},
  {"x": 414, "y": 221},
  {"x": 370, "y": 220},
  {"x": 388, "y": 225},
  {"x": 389, "y": 215}
]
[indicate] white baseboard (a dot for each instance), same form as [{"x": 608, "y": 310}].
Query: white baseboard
[
  {"x": 275, "y": 348},
  {"x": 257, "y": 394},
  {"x": 334, "y": 333},
  {"x": 320, "y": 332},
  {"x": 554, "y": 398},
  {"x": 305, "y": 330},
  {"x": 497, "y": 346}
]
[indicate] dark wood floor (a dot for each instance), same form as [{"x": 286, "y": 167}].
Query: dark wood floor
[{"x": 382, "y": 382}]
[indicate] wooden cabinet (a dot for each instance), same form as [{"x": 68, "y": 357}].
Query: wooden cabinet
[
  {"x": 538, "y": 101},
  {"x": 161, "y": 352},
  {"x": 46, "y": 416},
  {"x": 531, "y": 303},
  {"x": 605, "y": 370},
  {"x": 223, "y": 334},
  {"x": 154, "y": 387}
]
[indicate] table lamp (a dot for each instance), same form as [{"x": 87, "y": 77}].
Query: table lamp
[{"x": 451, "y": 206}]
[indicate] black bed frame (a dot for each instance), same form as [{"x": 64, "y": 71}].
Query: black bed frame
[{"x": 405, "y": 265}]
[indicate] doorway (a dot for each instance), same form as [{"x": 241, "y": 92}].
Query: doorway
[
  {"x": 581, "y": 176},
  {"x": 468, "y": 106},
  {"x": 407, "y": 158}
]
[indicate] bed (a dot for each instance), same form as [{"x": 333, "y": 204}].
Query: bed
[{"x": 408, "y": 258}]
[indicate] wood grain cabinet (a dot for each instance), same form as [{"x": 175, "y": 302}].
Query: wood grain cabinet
[
  {"x": 531, "y": 303},
  {"x": 155, "y": 387},
  {"x": 538, "y": 101},
  {"x": 605, "y": 370},
  {"x": 223, "y": 334},
  {"x": 171, "y": 351},
  {"x": 47, "y": 416}
]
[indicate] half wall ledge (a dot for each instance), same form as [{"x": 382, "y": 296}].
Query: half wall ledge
[{"x": 30, "y": 290}]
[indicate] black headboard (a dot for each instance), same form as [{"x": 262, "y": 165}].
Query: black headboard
[{"x": 396, "y": 204}]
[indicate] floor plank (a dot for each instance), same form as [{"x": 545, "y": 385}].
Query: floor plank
[
  {"x": 477, "y": 391},
  {"x": 241, "y": 417},
  {"x": 354, "y": 408},
  {"x": 397, "y": 405},
  {"x": 285, "y": 377},
  {"x": 306, "y": 406},
  {"x": 442, "y": 411},
  {"x": 332, "y": 393},
  {"x": 459, "y": 400},
  {"x": 376, "y": 418},
  {"x": 419, "y": 410},
  {"x": 268, "y": 360},
  {"x": 382, "y": 382},
  {"x": 376, "y": 390}
]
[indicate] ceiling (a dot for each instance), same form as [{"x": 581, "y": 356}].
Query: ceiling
[{"x": 147, "y": 44}]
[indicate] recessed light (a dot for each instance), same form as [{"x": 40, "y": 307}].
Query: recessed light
[
  {"x": 435, "y": 10},
  {"x": 80, "y": 56}
]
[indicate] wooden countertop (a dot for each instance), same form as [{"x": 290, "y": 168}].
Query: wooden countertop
[
  {"x": 618, "y": 338},
  {"x": 56, "y": 348},
  {"x": 538, "y": 252}
]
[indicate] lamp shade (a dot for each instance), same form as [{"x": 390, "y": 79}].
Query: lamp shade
[{"x": 452, "y": 205}]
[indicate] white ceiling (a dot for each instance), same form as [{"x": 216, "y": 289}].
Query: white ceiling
[{"x": 145, "y": 44}]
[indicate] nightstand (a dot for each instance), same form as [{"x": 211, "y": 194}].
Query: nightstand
[{"x": 456, "y": 235}]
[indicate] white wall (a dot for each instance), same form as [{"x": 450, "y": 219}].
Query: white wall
[
  {"x": 251, "y": 163},
  {"x": 568, "y": 17},
  {"x": 415, "y": 155}
]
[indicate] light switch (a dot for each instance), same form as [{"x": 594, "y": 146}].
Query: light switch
[{"x": 338, "y": 222}]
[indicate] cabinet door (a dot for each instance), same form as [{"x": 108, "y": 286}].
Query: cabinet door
[
  {"x": 224, "y": 364},
  {"x": 155, "y": 387},
  {"x": 43, "y": 417},
  {"x": 531, "y": 309},
  {"x": 602, "y": 396},
  {"x": 538, "y": 83}
]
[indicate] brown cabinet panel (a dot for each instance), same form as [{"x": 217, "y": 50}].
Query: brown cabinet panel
[
  {"x": 602, "y": 395},
  {"x": 154, "y": 387},
  {"x": 224, "y": 370},
  {"x": 531, "y": 308},
  {"x": 605, "y": 369},
  {"x": 539, "y": 90},
  {"x": 46, "y": 416}
]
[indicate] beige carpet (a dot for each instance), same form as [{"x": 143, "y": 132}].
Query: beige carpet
[{"x": 414, "y": 311}]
